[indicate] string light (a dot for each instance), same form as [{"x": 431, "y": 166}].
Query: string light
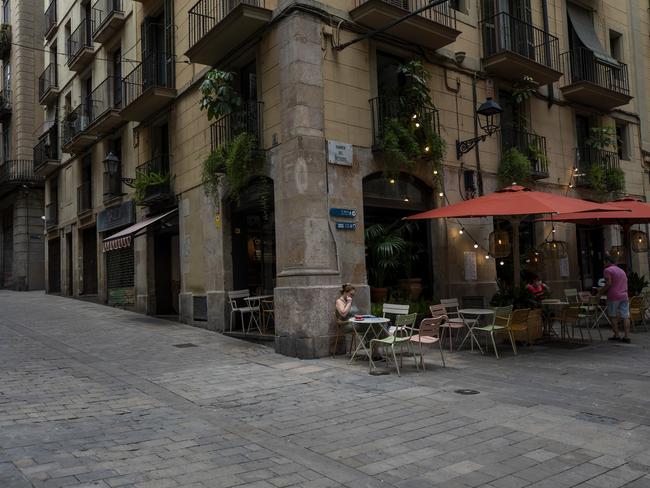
[
  {"x": 435, "y": 171},
  {"x": 441, "y": 194},
  {"x": 502, "y": 263},
  {"x": 417, "y": 124},
  {"x": 487, "y": 256},
  {"x": 426, "y": 149},
  {"x": 461, "y": 231},
  {"x": 475, "y": 245},
  {"x": 414, "y": 116},
  {"x": 391, "y": 181},
  {"x": 406, "y": 199}
]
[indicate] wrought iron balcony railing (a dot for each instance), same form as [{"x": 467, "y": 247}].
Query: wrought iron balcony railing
[
  {"x": 153, "y": 71},
  {"x": 384, "y": 108},
  {"x": 18, "y": 171},
  {"x": 247, "y": 119},
  {"x": 531, "y": 145},
  {"x": 75, "y": 122},
  {"x": 50, "y": 18},
  {"x": 587, "y": 156},
  {"x": 582, "y": 65},
  {"x": 205, "y": 14},
  {"x": 158, "y": 172},
  {"x": 103, "y": 10},
  {"x": 5, "y": 100},
  {"x": 84, "y": 197},
  {"x": 503, "y": 32},
  {"x": 5, "y": 39},
  {"x": 47, "y": 148},
  {"x": 442, "y": 14},
  {"x": 107, "y": 95},
  {"x": 79, "y": 39},
  {"x": 48, "y": 80},
  {"x": 52, "y": 214}
]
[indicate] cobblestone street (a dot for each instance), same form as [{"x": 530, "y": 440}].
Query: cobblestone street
[{"x": 95, "y": 396}]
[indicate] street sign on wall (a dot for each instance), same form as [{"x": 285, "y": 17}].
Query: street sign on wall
[{"x": 339, "y": 153}]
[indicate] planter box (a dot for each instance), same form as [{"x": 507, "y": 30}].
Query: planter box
[{"x": 535, "y": 327}]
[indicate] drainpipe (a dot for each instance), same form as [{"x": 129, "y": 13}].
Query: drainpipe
[
  {"x": 479, "y": 176},
  {"x": 547, "y": 49}
]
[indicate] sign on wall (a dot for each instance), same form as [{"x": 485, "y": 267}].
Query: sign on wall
[
  {"x": 470, "y": 266},
  {"x": 339, "y": 153},
  {"x": 346, "y": 226},
  {"x": 343, "y": 212}
]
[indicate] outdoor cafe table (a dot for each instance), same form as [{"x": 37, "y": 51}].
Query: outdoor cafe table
[
  {"x": 471, "y": 323},
  {"x": 365, "y": 329},
  {"x": 548, "y": 322},
  {"x": 254, "y": 303}
]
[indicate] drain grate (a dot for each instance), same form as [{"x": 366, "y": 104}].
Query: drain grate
[
  {"x": 597, "y": 419},
  {"x": 183, "y": 346},
  {"x": 467, "y": 392}
]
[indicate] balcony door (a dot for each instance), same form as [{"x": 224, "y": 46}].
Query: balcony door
[
  {"x": 160, "y": 148},
  {"x": 116, "y": 69},
  {"x": 154, "y": 64},
  {"x": 508, "y": 26}
]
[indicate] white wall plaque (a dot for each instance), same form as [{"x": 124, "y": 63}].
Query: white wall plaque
[{"x": 339, "y": 153}]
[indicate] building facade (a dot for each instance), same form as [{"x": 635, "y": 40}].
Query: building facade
[
  {"x": 325, "y": 98},
  {"x": 21, "y": 192}
]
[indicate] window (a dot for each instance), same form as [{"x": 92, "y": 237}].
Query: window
[
  {"x": 622, "y": 141},
  {"x": 6, "y": 142},
  {"x": 616, "y": 45},
  {"x": 6, "y": 12},
  {"x": 6, "y": 75}
]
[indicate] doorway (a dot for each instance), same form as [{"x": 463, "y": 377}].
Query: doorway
[
  {"x": 167, "y": 271},
  {"x": 89, "y": 243},
  {"x": 68, "y": 264},
  {"x": 253, "y": 239},
  {"x": 591, "y": 252},
  {"x": 54, "y": 265},
  {"x": 7, "y": 222}
]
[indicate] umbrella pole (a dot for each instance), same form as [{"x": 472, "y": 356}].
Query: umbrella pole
[
  {"x": 515, "y": 254},
  {"x": 627, "y": 245}
]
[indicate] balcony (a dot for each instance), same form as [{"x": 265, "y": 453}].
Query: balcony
[
  {"x": 46, "y": 152},
  {"x": 84, "y": 198},
  {"x": 384, "y": 108},
  {"x": 514, "y": 49},
  {"x": 79, "y": 46},
  {"x": 76, "y": 137},
  {"x": 587, "y": 157},
  {"x": 5, "y": 104},
  {"x": 5, "y": 40},
  {"x": 51, "y": 215},
  {"x": 248, "y": 119},
  {"x": 531, "y": 145},
  {"x": 104, "y": 104},
  {"x": 594, "y": 83},
  {"x": 157, "y": 172},
  {"x": 108, "y": 18},
  {"x": 17, "y": 172},
  {"x": 218, "y": 26},
  {"x": 50, "y": 20},
  {"x": 434, "y": 28},
  {"x": 148, "y": 88},
  {"x": 48, "y": 85}
]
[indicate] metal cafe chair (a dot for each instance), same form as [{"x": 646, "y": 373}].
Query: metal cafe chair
[
  {"x": 236, "y": 308},
  {"x": 400, "y": 339},
  {"x": 429, "y": 333}
]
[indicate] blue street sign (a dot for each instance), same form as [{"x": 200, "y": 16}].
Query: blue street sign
[
  {"x": 346, "y": 226},
  {"x": 343, "y": 212}
]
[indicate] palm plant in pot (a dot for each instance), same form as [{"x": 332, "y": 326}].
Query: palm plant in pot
[
  {"x": 411, "y": 286},
  {"x": 385, "y": 245}
]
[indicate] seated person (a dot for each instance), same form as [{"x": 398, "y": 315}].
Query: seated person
[{"x": 537, "y": 288}]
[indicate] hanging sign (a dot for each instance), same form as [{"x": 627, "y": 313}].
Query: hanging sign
[
  {"x": 339, "y": 153},
  {"x": 470, "y": 266},
  {"x": 346, "y": 226},
  {"x": 343, "y": 212}
]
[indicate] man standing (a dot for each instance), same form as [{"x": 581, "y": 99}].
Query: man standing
[{"x": 617, "y": 299}]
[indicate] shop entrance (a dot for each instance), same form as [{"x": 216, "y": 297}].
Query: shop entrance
[
  {"x": 54, "y": 265},
  {"x": 385, "y": 202},
  {"x": 7, "y": 221},
  {"x": 167, "y": 270},
  {"x": 68, "y": 264},
  {"x": 591, "y": 252},
  {"x": 253, "y": 239},
  {"x": 89, "y": 243}
]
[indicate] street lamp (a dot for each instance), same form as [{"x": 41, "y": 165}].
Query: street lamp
[
  {"x": 112, "y": 167},
  {"x": 487, "y": 112}
]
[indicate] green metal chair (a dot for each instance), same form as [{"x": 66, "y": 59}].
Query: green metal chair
[
  {"x": 400, "y": 339},
  {"x": 500, "y": 324}
]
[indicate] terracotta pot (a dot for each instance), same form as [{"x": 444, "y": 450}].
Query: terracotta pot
[
  {"x": 378, "y": 295},
  {"x": 412, "y": 287}
]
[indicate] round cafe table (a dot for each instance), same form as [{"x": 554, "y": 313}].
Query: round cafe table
[
  {"x": 365, "y": 329},
  {"x": 473, "y": 313}
]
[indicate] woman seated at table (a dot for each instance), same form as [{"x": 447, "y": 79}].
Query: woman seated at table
[
  {"x": 345, "y": 309},
  {"x": 537, "y": 288}
]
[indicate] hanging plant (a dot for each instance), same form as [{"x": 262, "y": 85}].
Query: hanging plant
[
  {"x": 615, "y": 180},
  {"x": 596, "y": 178},
  {"x": 143, "y": 181},
  {"x": 514, "y": 168},
  {"x": 399, "y": 147}
]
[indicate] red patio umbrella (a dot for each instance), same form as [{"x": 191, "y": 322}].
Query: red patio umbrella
[
  {"x": 631, "y": 211},
  {"x": 515, "y": 202}
]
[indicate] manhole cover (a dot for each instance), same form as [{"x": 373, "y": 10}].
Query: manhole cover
[
  {"x": 467, "y": 392},
  {"x": 183, "y": 346},
  {"x": 597, "y": 419}
]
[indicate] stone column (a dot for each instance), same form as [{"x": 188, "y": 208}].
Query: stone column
[
  {"x": 29, "y": 251},
  {"x": 307, "y": 270}
]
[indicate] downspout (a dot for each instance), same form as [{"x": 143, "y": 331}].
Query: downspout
[
  {"x": 479, "y": 176},
  {"x": 547, "y": 49}
]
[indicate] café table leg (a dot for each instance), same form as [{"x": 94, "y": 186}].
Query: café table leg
[
  {"x": 361, "y": 340},
  {"x": 473, "y": 339}
]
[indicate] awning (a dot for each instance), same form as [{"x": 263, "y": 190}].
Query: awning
[
  {"x": 123, "y": 238},
  {"x": 583, "y": 24}
]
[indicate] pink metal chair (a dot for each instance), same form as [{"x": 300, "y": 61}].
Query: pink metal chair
[
  {"x": 429, "y": 333},
  {"x": 448, "y": 325}
]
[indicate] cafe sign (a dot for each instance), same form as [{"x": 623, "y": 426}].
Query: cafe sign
[{"x": 116, "y": 216}]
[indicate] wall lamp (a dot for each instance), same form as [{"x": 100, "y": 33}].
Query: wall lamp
[
  {"x": 487, "y": 112},
  {"x": 112, "y": 167}
]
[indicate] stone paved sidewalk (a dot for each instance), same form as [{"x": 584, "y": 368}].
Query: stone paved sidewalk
[{"x": 94, "y": 396}]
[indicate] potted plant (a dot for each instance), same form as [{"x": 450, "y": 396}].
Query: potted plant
[
  {"x": 411, "y": 286},
  {"x": 515, "y": 168},
  {"x": 384, "y": 247},
  {"x": 149, "y": 184}
]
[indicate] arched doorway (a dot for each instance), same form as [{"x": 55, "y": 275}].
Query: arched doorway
[
  {"x": 253, "y": 238},
  {"x": 386, "y": 201}
]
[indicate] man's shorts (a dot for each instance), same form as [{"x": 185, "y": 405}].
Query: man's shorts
[{"x": 618, "y": 308}]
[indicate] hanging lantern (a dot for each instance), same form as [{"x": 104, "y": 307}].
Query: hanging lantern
[
  {"x": 617, "y": 252},
  {"x": 534, "y": 260},
  {"x": 554, "y": 249},
  {"x": 500, "y": 244},
  {"x": 639, "y": 241}
]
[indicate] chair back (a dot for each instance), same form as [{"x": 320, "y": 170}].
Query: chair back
[
  {"x": 431, "y": 327},
  {"x": 571, "y": 315},
  {"x": 235, "y": 297},
  {"x": 584, "y": 296},
  {"x": 571, "y": 295},
  {"x": 405, "y": 325},
  {"x": 502, "y": 315},
  {"x": 394, "y": 309},
  {"x": 473, "y": 301},
  {"x": 519, "y": 318},
  {"x": 451, "y": 307},
  {"x": 437, "y": 310}
]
